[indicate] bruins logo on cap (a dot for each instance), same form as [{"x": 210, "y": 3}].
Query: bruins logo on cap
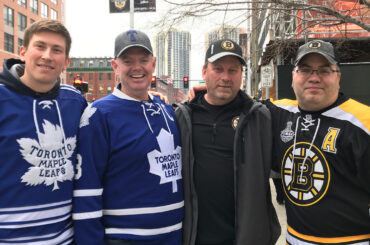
[
  {"x": 234, "y": 122},
  {"x": 314, "y": 45},
  {"x": 227, "y": 45},
  {"x": 119, "y": 3}
]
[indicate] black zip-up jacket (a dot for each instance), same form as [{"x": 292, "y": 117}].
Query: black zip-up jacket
[{"x": 256, "y": 221}]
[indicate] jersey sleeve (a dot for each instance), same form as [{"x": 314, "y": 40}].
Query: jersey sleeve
[
  {"x": 361, "y": 154},
  {"x": 92, "y": 158}
]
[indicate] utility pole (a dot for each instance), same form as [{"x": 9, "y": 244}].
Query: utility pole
[
  {"x": 132, "y": 14},
  {"x": 254, "y": 46}
]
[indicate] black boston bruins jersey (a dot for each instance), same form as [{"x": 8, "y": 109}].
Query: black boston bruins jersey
[{"x": 324, "y": 161}]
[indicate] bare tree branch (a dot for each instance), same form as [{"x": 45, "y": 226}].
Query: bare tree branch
[{"x": 197, "y": 8}]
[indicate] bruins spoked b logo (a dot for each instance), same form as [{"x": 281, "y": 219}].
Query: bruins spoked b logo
[{"x": 307, "y": 179}]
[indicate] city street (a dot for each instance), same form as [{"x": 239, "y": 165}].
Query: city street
[{"x": 280, "y": 209}]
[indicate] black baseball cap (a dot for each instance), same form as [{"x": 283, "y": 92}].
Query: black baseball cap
[
  {"x": 326, "y": 49},
  {"x": 224, "y": 47},
  {"x": 131, "y": 38}
]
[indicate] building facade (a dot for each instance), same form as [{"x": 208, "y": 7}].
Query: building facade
[
  {"x": 172, "y": 50},
  {"x": 17, "y": 15},
  {"x": 275, "y": 36},
  {"x": 97, "y": 72},
  {"x": 229, "y": 32}
]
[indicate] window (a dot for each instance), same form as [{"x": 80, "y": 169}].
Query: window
[
  {"x": 54, "y": 1},
  {"x": 71, "y": 78},
  {"x": 32, "y": 21},
  {"x": 22, "y": 3},
  {"x": 109, "y": 76},
  {"x": 34, "y": 6},
  {"x": 20, "y": 43},
  {"x": 82, "y": 63},
  {"x": 101, "y": 76},
  {"x": 91, "y": 63},
  {"x": 44, "y": 10},
  {"x": 101, "y": 89},
  {"x": 8, "y": 42},
  {"x": 8, "y": 16},
  {"x": 109, "y": 89},
  {"x": 22, "y": 22},
  {"x": 91, "y": 76},
  {"x": 53, "y": 14}
]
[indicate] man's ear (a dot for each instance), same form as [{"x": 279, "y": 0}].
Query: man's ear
[
  {"x": 114, "y": 65},
  {"x": 22, "y": 52},
  {"x": 66, "y": 63}
]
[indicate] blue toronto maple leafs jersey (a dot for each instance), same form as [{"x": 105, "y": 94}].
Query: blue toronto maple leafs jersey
[
  {"x": 37, "y": 155},
  {"x": 130, "y": 184}
]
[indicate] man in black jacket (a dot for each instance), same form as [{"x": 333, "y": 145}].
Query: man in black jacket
[{"x": 226, "y": 139}]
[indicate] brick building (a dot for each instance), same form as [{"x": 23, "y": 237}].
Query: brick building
[
  {"x": 99, "y": 75},
  {"x": 16, "y": 16},
  {"x": 97, "y": 72}
]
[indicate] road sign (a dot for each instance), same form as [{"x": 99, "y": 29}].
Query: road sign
[{"x": 267, "y": 75}]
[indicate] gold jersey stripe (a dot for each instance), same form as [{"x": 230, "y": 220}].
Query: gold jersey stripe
[
  {"x": 286, "y": 102},
  {"x": 331, "y": 240},
  {"x": 354, "y": 112}
]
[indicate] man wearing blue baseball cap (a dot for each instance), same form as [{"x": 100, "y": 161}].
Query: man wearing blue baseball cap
[{"x": 130, "y": 190}]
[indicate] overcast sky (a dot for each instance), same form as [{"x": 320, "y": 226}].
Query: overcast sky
[{"x": 94, "y": 29}]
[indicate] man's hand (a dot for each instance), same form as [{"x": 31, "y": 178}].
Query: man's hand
[
  {"x": 160, "y": 95},
  {"x": 195, "y": 88}
]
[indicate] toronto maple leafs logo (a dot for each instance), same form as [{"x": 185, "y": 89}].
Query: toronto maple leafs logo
[
  {"x": 49, "y": 156},
  {"x": 166, "y": 163},
  {"x": 88, "y": 112}
]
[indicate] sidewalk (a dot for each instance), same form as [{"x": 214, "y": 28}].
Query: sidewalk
[{"x": 280, "y": 210}]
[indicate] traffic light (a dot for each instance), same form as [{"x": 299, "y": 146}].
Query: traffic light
[
  {"x": 186, "y": 82},
  {"x": 153, "y": 83},
  {"x": 80, "y": 85}
]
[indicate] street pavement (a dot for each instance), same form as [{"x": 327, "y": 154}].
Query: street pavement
[{"x": 280, "y": 210}]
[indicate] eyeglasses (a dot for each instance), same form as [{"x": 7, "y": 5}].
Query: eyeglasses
[{"x": 321, "y": 72}]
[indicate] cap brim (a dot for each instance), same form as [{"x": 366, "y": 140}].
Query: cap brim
[
  {"x": 223, "y": 54},
  {"x": 130, "y": 46},
  {"x": 329, "y": 58}
]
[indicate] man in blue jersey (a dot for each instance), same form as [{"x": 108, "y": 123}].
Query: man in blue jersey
[
  {"x": 130, "y": 189},
  {"x": 39, "y": 121}
]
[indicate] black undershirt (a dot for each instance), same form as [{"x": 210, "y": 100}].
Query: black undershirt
[{"x": 213, "y": 139}]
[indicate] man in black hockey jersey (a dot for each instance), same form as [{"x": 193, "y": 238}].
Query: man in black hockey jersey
[{"x": 322, "y": 147}]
